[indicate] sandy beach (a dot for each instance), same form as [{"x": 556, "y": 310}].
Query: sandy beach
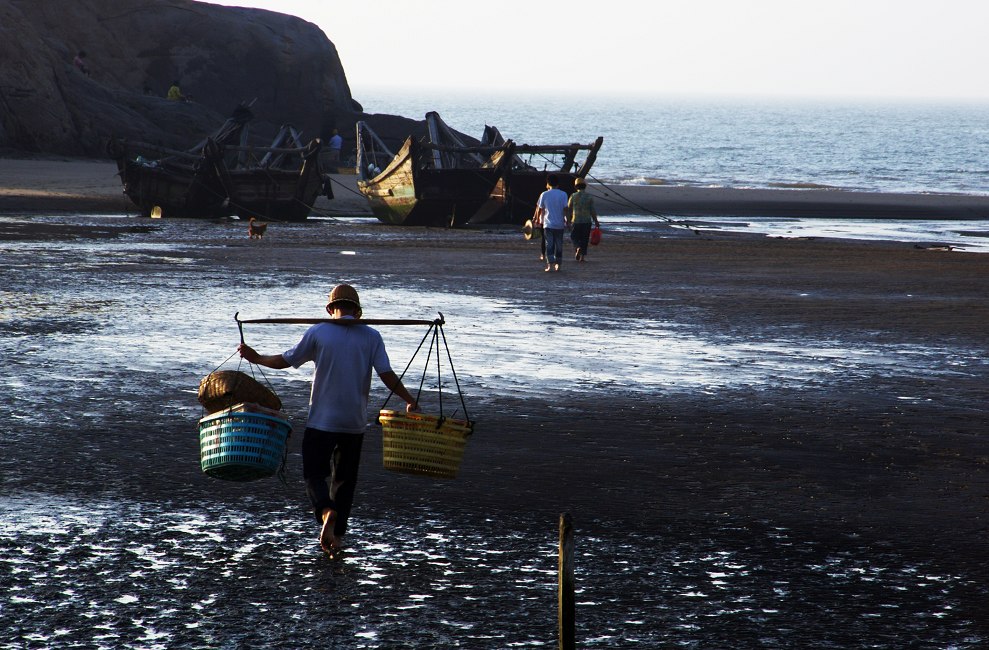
[
  {"x": 93, "y": 187},
  {"x": 880, "y": 443}
]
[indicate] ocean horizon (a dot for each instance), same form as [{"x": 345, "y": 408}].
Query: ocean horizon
[{"x": 856, "y": 145}]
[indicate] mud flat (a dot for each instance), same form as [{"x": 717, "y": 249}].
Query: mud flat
[
  {"x": 877, "y": 425},
  {"x": 783, "y": 401}
]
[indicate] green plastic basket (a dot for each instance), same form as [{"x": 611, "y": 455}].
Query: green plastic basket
[{"x": 242, "y": 446}]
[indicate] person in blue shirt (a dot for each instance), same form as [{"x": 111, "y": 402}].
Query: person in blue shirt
[{"x": 335, "y": 145}]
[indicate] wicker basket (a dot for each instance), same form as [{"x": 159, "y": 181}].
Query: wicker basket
[
  {"x": 244, "y": 443},
  {"x": 223, "y": 389},
  {"x": 415, "y": 443}
]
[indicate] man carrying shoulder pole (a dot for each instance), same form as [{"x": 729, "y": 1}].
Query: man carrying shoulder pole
[{"x": 334, "y": 435}]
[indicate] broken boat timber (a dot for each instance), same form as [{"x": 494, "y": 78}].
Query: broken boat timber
[
  {"x": 428, "y": 183},
  {"x": 513, "y": 199},
  {"x": 276, "y": 183},
  {"x": 166, "y": 182},
  {"x": 441, "y": 181}
]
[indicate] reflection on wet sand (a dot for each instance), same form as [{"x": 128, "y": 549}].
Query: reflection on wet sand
[{"x": 104, "y": 572}]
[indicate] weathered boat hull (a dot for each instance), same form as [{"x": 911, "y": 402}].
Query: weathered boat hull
[
  {"x": 435, "y": 205},
  {"x": 273, "y": 194},
  {"x": 513, "y": 200},
  {"x": 220, "y": 177},
  {"x": 405, "y": 193},
  {"x": 172, "y": 190}
]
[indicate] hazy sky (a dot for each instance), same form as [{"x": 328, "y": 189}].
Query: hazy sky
[{"x": 930, "y": 49}]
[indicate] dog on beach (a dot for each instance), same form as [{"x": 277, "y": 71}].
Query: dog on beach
[{"x": 255, "y": 228}]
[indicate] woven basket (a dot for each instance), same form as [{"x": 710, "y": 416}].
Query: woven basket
[
  {"x": 223, "y": 389},
  {"x": 242, "y": 445},
  {"x": 415, "y": 443}
]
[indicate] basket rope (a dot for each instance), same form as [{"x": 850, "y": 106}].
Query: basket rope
[
  {"x": 282, "y": 472},
  {"x": 240, "y": 327},
  {"x": 436, "y": 330}
]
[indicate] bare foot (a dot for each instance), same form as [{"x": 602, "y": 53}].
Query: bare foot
[{"x": 327, "y": 540}]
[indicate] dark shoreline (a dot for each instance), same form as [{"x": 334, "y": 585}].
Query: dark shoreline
[
  {"x": 42, "y": 186},
  {"x": 836, "y": 204}
]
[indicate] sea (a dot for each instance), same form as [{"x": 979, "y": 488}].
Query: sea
[
  {"x": 866, "y": 146},
  {"x": 911, "y": 147}
]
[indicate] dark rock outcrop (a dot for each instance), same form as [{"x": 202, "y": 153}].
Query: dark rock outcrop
[{"x": 136, "y": 48}]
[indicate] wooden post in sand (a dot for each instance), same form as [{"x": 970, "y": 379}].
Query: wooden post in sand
[{"x": 567, "y": 616}]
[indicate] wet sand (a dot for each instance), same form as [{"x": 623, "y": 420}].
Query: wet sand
[
  {"x": 897, "y": 458},
  {"x": 894, "y": 457}
]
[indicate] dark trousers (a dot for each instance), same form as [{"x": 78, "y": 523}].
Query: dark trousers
[
  {"x": 329, "y": 466},
  {"x": 580, "y": 235}
]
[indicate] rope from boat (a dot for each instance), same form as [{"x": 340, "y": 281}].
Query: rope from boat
[
  {"x": 326, "y": 214},
  {"x": 627, "y": 202}
]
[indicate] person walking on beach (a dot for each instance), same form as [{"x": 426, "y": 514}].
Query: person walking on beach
[
  {"x": 583, "y": 215},
  {"x": 551, "y": 208},
  {"x": 344, "y": 355}
]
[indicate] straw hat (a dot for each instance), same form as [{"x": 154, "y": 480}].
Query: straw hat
[
  {"x": 343, "y": 293},
  {"x": 528, "y": 229}
]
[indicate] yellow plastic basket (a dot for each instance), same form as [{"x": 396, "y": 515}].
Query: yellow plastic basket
[{"x": 416, "y": 443}]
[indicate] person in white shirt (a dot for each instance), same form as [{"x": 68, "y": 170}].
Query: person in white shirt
[
  {"x": 552, "y": 210},
  {"x": 344, "y": 355}
]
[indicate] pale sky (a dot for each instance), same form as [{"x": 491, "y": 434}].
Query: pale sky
[{"x": 886, "y": 49}]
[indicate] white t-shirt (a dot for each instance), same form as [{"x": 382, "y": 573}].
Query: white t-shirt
[
  {"x": 344, "y": 356},
  {"x": 555, "y": 202}
]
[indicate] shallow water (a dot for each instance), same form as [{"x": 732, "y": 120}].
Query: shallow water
[
  {"x": 88, "y": 339},
  {"x": 969, "y": 236}
]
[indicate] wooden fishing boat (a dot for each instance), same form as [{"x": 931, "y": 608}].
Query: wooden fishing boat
[
  {"x": 428, "y": 183},
  {"x": 513, "y": 199},
  {"x": 276, "y": 183},
  {"x": 171, "y": 183},
  {"x": 176, "y": 185}
]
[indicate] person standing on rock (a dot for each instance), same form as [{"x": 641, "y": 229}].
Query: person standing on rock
[
  {"x": 583, "y": 215},
  {"x": 344, "y": 355},
  {"x": 80, "y": 62},
  {"x": 175, "y": 93},
  {"x": 552, "y": 208}
]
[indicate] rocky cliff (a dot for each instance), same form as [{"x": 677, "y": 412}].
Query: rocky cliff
[{"x": 135, "y": 49}]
